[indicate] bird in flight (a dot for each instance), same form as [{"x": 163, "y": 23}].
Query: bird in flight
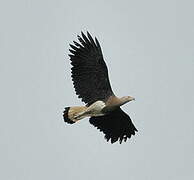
[{"x": 92, "y": 85}]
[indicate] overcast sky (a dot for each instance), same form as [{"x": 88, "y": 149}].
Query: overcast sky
[{"x": 149, "y": 49}]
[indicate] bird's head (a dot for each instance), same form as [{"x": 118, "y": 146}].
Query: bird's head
[{"x": 126, "y": 99}]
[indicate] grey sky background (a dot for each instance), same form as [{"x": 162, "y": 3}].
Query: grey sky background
[{"x": 149, "y": 50}]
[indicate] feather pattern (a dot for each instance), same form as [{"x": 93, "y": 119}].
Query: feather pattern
[
  {"x": 117, "y": 125},
  {"x": 89, "y": 71}
]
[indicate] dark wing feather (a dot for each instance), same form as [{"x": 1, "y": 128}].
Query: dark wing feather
[
  {"x": 116, "y": 125},
  {"x": 89, "y": 71}
]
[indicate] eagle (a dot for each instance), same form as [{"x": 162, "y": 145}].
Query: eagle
[{"x": 91, "y": 82}]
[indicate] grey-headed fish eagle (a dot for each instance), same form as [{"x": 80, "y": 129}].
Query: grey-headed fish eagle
[{"x": 92, "y": 85}]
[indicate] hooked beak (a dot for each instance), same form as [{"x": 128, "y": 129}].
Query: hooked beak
[{"x": 132, "y": 98}]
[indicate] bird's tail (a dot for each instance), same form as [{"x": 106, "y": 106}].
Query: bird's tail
[{"x": 73, "y": 114}]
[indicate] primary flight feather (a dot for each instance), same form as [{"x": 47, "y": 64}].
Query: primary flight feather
[{"x": 92, "y": 85}]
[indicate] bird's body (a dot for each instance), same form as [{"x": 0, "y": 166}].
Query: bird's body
[
  {"x": 81, "y": 112},
  {"x": 91, "y": 83}
]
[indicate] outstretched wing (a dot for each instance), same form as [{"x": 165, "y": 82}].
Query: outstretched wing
[
  {"x": 89, "y": 71},
  {"x": 116, "y": 125}
]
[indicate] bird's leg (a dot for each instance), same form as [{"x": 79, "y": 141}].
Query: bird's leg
[
  {"x": 81, "y": 115},
  {"x": 94, "y": 109}
]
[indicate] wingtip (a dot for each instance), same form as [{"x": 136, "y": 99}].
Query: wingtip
[
  {"x": 97, "y": 42},
  {"x": 71, "y": 55},
  {"x": 72, "y": 51},
  {"x": 88, "y": 34}
]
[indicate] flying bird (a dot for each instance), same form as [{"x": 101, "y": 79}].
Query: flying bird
[{"x": 92, "y": 85}]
